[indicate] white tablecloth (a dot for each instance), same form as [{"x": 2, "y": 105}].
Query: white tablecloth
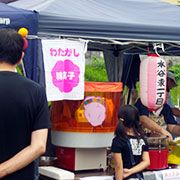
[
  {"x": 166, "y": 174},
  {"x": 97, "y": 178}
]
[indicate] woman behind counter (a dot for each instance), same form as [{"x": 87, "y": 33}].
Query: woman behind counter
[{"x": 129, "y": 148}]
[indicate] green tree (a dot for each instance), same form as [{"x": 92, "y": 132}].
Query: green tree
[
  {"x": 175, "y": 92},
  {"x": 96, "y": 71}
]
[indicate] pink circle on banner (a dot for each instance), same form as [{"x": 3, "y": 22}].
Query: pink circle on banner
[{"x": 65, "y": 75}]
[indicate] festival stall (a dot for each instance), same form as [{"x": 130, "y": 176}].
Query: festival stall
[{"x": 122, "y": 30}]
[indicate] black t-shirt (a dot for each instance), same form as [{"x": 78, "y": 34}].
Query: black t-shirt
[
  {"x": 120, "y": 146},
  {"x": 23, "y": 109},
  {"x": 166, "y": 112}
]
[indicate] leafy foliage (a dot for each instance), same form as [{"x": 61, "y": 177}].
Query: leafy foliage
[
  {"x": 96, "y": 71},
  {"x": 176, "y": 70},
  {"x": 19, "y": 70},
  {"x": 175, "y": 92}
]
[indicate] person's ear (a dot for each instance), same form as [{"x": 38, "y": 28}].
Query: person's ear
[{"x": 22, "y": 55}]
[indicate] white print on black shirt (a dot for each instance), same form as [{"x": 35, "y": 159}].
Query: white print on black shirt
[{"x": 137, "y": 147}]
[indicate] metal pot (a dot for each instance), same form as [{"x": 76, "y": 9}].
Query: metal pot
[
  {"x": 48, "y": 161},
  {"x": 157, "y": 143}
]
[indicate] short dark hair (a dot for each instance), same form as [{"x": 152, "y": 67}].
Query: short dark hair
[{"x": 11, "y": 46}]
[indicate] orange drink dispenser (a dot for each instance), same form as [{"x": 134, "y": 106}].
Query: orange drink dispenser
[{"x": 83, "y": 129}]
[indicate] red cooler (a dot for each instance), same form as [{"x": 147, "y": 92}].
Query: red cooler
[
  {"x": 158, "y": 159},
  {"x": 158, "y": 152}
]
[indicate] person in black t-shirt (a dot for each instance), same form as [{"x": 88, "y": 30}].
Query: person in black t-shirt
[
  {"x": 160, "y": 122},
  {"x": 129, "y": 142},
  {"x": 24, "y": 113}
]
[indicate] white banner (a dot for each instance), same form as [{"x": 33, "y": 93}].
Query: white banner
[{"x": 64, "y": 63}]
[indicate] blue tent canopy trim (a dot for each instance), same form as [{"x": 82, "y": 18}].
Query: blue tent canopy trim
[
  {"x": 11, "y": 17},
  {"x": 16, "y": 18}
]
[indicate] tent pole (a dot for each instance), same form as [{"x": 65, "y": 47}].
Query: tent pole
[
  {"x": 120, "y": 66},
  {"x": 116, "y": 68}
]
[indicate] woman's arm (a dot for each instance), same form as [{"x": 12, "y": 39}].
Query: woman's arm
[
  {"x": 176, "y": 111},
  {"x": 153, "y": 126},
  {"x": 139, "y": 167},
  {"x": 118, "y": 166},
  {"x": 174, "y": 129}
]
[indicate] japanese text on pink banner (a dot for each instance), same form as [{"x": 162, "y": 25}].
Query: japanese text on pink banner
[
  {"x": 66, "y": 52},
  {"x": 65, "y": 75}
]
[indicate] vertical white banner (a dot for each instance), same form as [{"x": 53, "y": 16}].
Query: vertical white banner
[{"x": 64, "y": 64}]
